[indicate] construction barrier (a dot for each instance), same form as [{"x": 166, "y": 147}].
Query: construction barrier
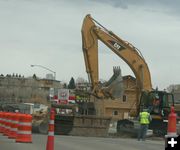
[
  {"x": 14, "y": 126},
  {"x": 1, "y": 121},
  {"x": 6, "y": 124},
  {"x": 9, "y": 122},
  {"x": 50, "y": 140},
  {"x": 24, "y": 133},
  {"x": 171, "y": 130}
]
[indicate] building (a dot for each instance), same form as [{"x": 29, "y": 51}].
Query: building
[
  {"x": 82, "y": 91},
  {"x": 123, "y": 107},
  {"x": 175, "y": 89},
  {"x": 17, "y": 88},
  {"x": 116, "y": 108}
]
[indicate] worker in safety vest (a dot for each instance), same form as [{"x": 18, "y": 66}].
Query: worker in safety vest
[{"x": 144, "y": 119}]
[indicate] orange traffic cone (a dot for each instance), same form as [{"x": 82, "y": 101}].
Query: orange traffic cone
[
  {"x": 171, "y": 131},
  {"x": 50, "y": 140},
  {"x": 172, "y": 122}
]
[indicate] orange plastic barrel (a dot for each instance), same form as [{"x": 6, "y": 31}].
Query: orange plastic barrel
[{"x": 24, "y": 133}]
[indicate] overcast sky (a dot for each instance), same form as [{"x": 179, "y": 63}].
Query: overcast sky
[{"x": 48, "y": 33}]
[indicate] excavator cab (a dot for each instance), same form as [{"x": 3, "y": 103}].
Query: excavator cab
[{"x": 158, "y": 104}]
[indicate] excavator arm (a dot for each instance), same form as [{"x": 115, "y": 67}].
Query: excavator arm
[
  {"x": 158, "y": 102},
  {"x": 92, "y": 31}
]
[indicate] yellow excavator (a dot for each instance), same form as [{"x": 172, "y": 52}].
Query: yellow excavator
[{"x": 158, "y": 102}]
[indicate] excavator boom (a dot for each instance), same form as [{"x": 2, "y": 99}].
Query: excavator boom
[
  {"x": 158, "y": 102},
  {"x": 92, "y": 31}
]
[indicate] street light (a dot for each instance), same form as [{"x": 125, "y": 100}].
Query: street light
[{"x": 46, "y": 69}]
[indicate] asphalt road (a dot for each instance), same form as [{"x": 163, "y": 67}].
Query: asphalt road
[{"x": 81, "y": 143}]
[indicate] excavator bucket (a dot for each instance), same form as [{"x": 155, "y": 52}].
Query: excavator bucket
[{"x": 114, "y": 87}]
